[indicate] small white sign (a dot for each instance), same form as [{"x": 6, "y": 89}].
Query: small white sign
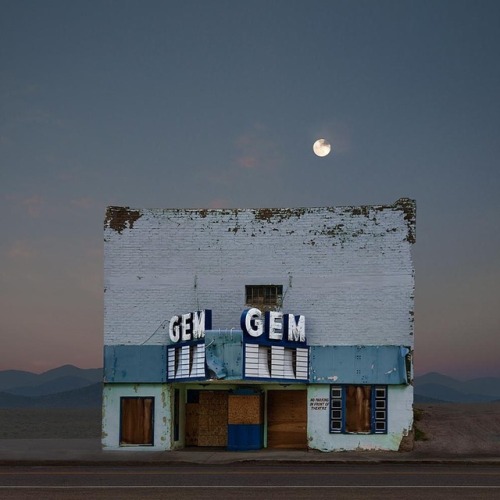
[{"x": 319, "y": 404}]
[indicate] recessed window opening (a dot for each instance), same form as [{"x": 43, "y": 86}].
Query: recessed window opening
[
  {"x": 264, "y": 296},
  {"x": 136, "y": 421},
  {"x": 358, "y": 409}
]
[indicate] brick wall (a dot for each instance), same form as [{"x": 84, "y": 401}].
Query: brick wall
[{"x": 347, "y": 269}]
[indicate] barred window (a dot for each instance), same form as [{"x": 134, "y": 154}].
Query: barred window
[{"x": 264, "y": 296}]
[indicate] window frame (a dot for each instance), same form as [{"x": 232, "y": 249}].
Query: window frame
[
  {"x": 123, "y": 442},
  {"x": 338, "y": 409},
  {"x": 264, "y": 297}
]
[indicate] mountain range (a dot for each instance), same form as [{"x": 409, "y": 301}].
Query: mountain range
[
  {"x": 436, "y": 387},
  {"x": 71, "y": 387},
  {"x": 64, "y": 387}
]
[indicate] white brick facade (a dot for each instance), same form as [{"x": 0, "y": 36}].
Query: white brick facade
[{"x": 349, "y": 270}]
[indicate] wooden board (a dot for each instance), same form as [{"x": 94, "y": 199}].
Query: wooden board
[
  {"x": 244, "y": 409},
  {"x": 192, "y": 424},
  {"x": 136, "y": 426},
  {"x": 287, "y": 419},
  {"x": 212, "y": 424}
]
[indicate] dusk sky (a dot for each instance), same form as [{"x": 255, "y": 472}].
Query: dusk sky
[{"x": 217, "y": 104}]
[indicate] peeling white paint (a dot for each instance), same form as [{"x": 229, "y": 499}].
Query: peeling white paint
[
  {"x": 342, "y": 260},
  {"x": 400, "y": 419},
  {"x": 360, "y": 261},
  {"x": 111, "y": 414}
]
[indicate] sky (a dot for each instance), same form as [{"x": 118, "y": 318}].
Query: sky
[{"x": 216, "y": 103}]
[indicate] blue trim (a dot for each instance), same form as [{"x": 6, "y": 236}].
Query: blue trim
[
  {"x": 189, "y": 342},
  {"x": 358, "y": 365},
  {"x": 274, "y": 343},
  {"x": 242, "y": 437},
  {"x": 188, "y": 379},
  {"x": 373, "y": 399},
  {"x": 277, "y": 380},
  {"x": 208, "y": 319},
  {"x": 135, "y": 364},
  {"x": 344, "y": 407}
]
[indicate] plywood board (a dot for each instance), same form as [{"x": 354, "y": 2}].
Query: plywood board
[
  {"x": 136, "y": 426},
  {"x": 244, "y": 409},
  {"x": 212, "y": 423},
  {"x": 287, "y": 419},
  {"x": 192, "y": 424}
]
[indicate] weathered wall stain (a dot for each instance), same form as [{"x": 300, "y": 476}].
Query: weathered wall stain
[
  {"x": 189, "y": 259},
  {"x": 409, "y": 208},
  {"x": 117, "y": 218},
  {"x": 266, "y": 214}
]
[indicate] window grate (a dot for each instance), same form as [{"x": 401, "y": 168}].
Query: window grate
[{"x": 264, "y": 295}]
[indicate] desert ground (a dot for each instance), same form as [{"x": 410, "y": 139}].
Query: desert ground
[
  {"x": 444, "y": 428},
  {"x": 50, "y": 423},
  {"x": 459, "y": 429}
]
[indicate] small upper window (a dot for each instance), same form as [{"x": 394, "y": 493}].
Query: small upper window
[{"x": 264, "y": 296}]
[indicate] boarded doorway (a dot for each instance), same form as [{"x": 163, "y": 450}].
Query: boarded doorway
[
  {"x": 206, "y": 418},
  {"x": 287, "y": 419},
  {"x": 136, "y": 421}
]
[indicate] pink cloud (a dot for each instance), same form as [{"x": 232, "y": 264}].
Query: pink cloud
[
  {"x": 219, "y": 203},
  {"x": 33, "y": 205},
  {"x": 84, "y": 203},
  {"x": 257, "y": 149},
  {"x": 247, "y": 161},
  {"x": 20, "y": 250}
]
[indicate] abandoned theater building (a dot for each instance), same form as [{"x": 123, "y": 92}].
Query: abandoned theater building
[{"x": 258, "y": 328}]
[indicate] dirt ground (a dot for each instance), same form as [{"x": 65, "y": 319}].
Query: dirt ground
[
  {"x": 455, "y": 428},
  {"x": 50, "y": 423},
  {"x": 450, "y": 428}
]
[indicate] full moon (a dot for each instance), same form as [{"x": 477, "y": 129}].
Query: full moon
[{"x": 321, "y": 147}]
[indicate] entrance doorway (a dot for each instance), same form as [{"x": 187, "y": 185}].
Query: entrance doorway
[
  {"x": 206, "y": 418},
  {"x": 287, "y": 419}
]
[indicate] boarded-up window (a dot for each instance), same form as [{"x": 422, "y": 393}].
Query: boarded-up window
[
  {"x": 137, "y": 421},
  {"x": 358, "y": 409}
]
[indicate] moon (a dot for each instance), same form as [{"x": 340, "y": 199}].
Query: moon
[{"x": 321, "y": 147}]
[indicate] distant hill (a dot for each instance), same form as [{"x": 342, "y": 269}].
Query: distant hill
[
  {"x": 65, "y": 387},
  {"x": 86, "y": 397},
  {"x": 71, "y": 387},
  {"x": 64, "y": 378},
  {"x": 60, "y": 384},
  {"x": 437, "y": 386},
  {"x": 425, "y": 399}
]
